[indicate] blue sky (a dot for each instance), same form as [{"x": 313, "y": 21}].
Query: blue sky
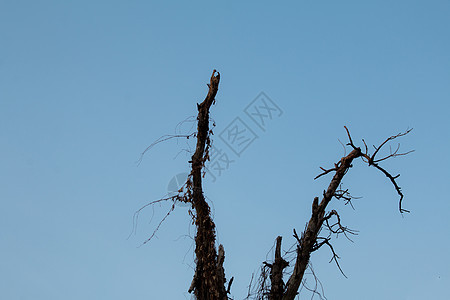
[{"x": 86, "y": 86}]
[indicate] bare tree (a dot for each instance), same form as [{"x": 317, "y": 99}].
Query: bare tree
[{"x": 209, "y": 282}]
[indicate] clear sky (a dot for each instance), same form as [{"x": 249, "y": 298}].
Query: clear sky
[{"x": 86, "y": 86}]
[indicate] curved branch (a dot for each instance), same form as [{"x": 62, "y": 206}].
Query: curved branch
[{"x": 309, "y": 240}]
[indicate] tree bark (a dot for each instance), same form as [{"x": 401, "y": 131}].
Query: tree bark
[
  {"x": 209, "y": 279},
  {"x": 309, "y": 236},
  {"x": 276, "y": 273}
]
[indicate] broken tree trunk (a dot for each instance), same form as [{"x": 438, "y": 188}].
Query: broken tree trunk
[{"x": 209, "y": 278}]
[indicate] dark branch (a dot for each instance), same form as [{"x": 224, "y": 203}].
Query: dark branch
[
  {"x": 372, "y": 161},
  {"x": 276, "y": 273},
  {"x": 309, "y": 240},
  {"x": 387, "y": 140},
  {"x": 163, "y": 139},
  {"x": 210, "y": 278}
]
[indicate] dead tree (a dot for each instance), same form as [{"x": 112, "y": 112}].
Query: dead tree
[
  {"x": 209, "y": 278},
  {"x": 310, "y": 241},
  {"x": 209, "y": 282}
]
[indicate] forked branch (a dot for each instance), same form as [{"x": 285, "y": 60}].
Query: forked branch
[
  {"x": 372, "y": 160},
  {"x": 310, "y": 241}
]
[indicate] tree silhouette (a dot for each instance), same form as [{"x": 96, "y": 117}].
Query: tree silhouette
[{"x": 209, "y": 282}]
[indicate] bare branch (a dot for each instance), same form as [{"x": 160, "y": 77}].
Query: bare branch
[
  {"x": 317, "y": 282},
  {"x": 397, "y": 188},
  {"x": 276, "y": 273},
  {"x": 335, "y": 256},
  {"x": 345, "y": 194},
  {"x": 325, "y": 171},
  {"x": 393, "y": 154},
  {"x": 309, "y": 240},
  {"x": 229, "y": 285},
  {"x": 350, "y": 138},
  {"x": 372, "y": 158},
  {"x": 339, "y": 228},
  {"x": 159, "y": 225},
  {"x": 160, "y": 140},
  {"x": 250, "y": 287},
  {"x": 372, "y": 161},
  {"x": 210, "y": 282}
]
